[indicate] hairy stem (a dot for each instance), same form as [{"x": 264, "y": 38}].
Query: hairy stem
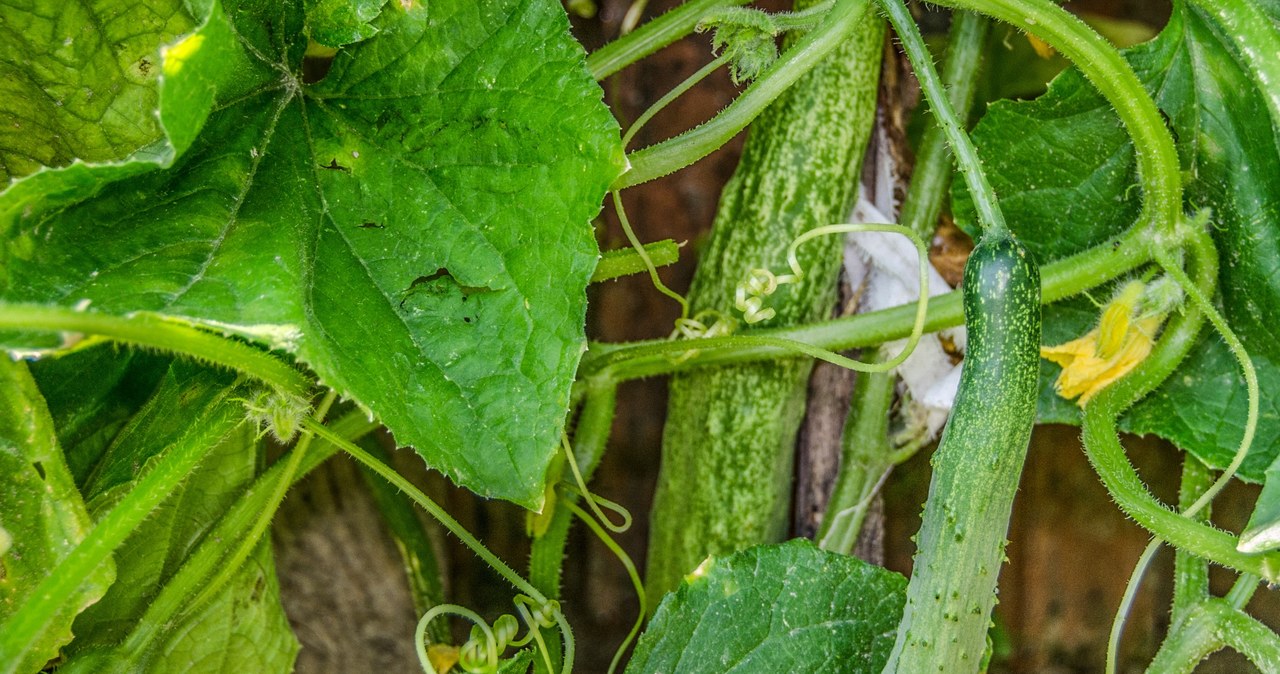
[
  {"x": 676, "y": 153},
  {"x": 984, "y": 201},
  {"x": 25, "y": 625},
  {"x": 1102, "y": 445},
  {"x": 933, "y": 167},
  {"x": 652, "y": 36},
  {"x": 155, "y": 331},
  {"x": 1158, "y": 169},
  {"x": 1063, "y": 278},
  {"x": 208, "y": 557},
  {"x": 1211, "y": 626}
]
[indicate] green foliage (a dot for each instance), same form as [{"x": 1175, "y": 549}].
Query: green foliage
[
  {"x": 335, "y": 23},
  {"x": 243, "y": 628},
  {"x": 1064, "y": 172},
  {"x": 747, "y": 37},
  {"x": 42, "y": 514},
  {"x": 413, "y": 226},
  {"x": 389, "y": 202},
  {"x": 776, "y": 608}
]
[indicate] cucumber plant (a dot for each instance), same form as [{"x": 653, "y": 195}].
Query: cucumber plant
[{"x": 240, "y": 237}]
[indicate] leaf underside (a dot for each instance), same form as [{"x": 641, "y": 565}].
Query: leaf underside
[{"x": 411, "y": 219}]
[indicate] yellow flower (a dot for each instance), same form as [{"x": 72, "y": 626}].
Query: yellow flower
[
  {"x": 1109, "y": 351},
  {"x": 442, "y": 657}
]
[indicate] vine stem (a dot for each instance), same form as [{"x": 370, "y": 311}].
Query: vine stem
[
  {"x": 207, "y": 557},
  {"x": 627, "y": 564},
  {"x": 1158, "y": 168},
  {"x": 1126, "y": 603},
  {"x": 19, "y": 633},
  {"x": 156, "y": 331},
  {"x": 231, "y": 565},
  {"x": 1210, "y": 626},
  {"x": 447, "y": 520},
  {"x": 676, "y": 153},
  {"x": 933, "y": 168},
  {"x": 966, "y": 155},
  {"x": 616, "y": 363},
  {"x": 390, "y": 475},
  {"x": 652, "y": 36},
  {"x": 1204, "y": 249},
  {"x": 1102, "y": 445}
]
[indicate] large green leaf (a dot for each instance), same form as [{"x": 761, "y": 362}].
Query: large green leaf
[
  {"x": 42, "y": 517},
  {"x": 414, "y": 226},
  {"x": 241, "y": 629},
  {"x": 92, "y": 393},
  {"x": 1064, "y": 170},
  {"x": 776, "y": 608}
]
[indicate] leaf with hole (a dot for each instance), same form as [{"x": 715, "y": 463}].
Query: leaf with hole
[{"x": 410, "y": 219}]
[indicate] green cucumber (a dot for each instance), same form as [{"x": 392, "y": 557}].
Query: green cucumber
[
  {"x": 728, "y": 446},
  {"x": 960, "y": 546}
]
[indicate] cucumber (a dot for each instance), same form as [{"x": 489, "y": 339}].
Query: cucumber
[
  {"x": 728, "y": 446},
  {"x": 961, "y": 542}
]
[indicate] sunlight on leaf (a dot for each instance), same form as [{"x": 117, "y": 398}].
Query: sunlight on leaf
[{"x": 414, "y": 226}]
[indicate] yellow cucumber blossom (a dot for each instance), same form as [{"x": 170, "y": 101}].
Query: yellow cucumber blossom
[{"x": 1124, "y": 336}]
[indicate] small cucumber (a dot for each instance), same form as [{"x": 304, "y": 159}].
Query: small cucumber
[{"x": 961, "y": 543}]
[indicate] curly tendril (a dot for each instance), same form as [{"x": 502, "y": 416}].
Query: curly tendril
[
  {"x": 481, "y": 653},
  {"x": 760, "y": 283}
]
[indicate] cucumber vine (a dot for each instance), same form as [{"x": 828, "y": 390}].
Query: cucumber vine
[{"x": 1162, "y": 273}]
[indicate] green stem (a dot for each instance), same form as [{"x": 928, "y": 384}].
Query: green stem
[
  {"x": 546, "y": 558},
  {"x": 1190, "y": 573},
  {"x": 864, "y": 462},
  {"x": 676, "y": 153},
  {"x": 26, "y": 625},
  {"x": 933, "y": 167},
  {"x": 1257, "y": 41},
  {"x": 652, "y": 36},
  {"x": 670, "y": 96},
  {"x": 966, "y": 155},
  {"x": 153, "y": 330},
  {"x": 1210, "y": 626},
  {"x": 1202, "y": 246},
  {"x": 1242, "y": 591},
  {"x": 390, "y": 475},
  {"x": 1063, "y": 278},
  {"x": 422, "y": 570},
  {"x": 247, "y": 543},
  {"x": 627, "y": 564},
  {"x": 201, "y": 564},
  {"x": 1126, "y": 603},
  {"x": 1158, "y": 169},
  {"x": 626, "y": 261},
  {"x": 1102, "y": 445}
]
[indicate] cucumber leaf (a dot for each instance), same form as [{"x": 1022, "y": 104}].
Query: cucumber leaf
[
  {"x": 241, "y": 629},
  {"x": 1064, "y": 169},
  {"x": 42, "y": 517},
  {"x": 413, "y": 223},
  {"x": 92, "y": 393},
  {"x": 789, "y": 607}
]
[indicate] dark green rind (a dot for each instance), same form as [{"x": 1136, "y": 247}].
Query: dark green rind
[
  {"x": 976, "y": 469},
  {"x": 725, "y": 481}
]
